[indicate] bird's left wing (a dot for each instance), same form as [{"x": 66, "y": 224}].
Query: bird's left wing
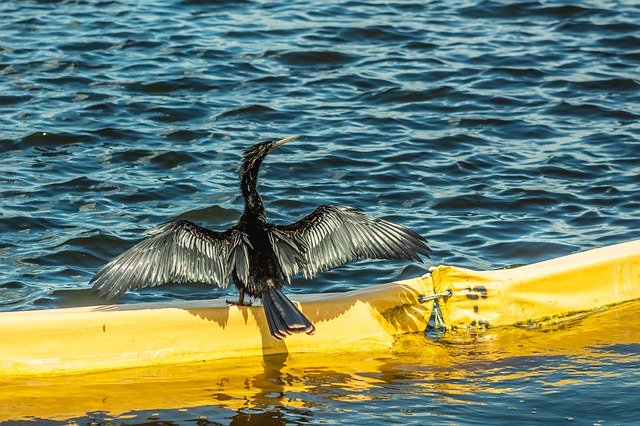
[
  {"x": 180, "y": 252},
  {"x": 333, "y": 235},
  {"x": 289, "y": 250}
]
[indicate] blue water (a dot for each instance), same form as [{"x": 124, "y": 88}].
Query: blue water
[{"x": 505, "y": 133}]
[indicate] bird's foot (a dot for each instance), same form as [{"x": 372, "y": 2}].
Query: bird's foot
[{"x": 238, "y": 303}]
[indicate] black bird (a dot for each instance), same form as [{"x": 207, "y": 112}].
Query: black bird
[{"x": 260, "y": 256}]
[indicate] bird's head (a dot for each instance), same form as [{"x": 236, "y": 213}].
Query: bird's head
[{"x": 253, "y": 156}]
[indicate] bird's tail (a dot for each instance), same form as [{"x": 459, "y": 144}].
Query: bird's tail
[{"x": 283, "y": 316}]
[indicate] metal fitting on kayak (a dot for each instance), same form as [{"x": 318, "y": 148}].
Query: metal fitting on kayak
[{"x": 427, "y": 297}]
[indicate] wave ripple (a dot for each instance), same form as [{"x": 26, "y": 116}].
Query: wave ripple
[{"x": 505, "y": 133}]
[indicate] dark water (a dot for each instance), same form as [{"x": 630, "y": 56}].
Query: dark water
[{"x": 504, "y": 133}]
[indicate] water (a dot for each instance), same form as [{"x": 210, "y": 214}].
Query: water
[{"x": 504, "y": 133}]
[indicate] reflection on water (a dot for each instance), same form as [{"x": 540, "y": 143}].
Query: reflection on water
[{"x": 529, "y": 375}]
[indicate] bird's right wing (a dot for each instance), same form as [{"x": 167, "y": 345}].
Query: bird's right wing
[
  {"x": 180, "y": 252},
  {"x": 333, "y": 235}
]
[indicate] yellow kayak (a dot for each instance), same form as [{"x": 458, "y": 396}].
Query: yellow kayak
[{"x": 113, "y": 337}]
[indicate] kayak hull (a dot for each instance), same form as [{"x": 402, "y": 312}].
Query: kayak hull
[{"x": 75, "y": 340}]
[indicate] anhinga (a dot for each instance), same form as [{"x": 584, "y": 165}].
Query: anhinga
[{"x": 260, "y": 256}]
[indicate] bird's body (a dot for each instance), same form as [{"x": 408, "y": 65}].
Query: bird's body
[
  {"x": 261, "y": 257},
  {"x": 264, "y": 268},
  {"x": 263, "y": 264}
]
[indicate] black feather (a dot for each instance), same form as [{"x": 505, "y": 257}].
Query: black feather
[
  {"x": 333, "y": 235},
  {"x": 179, "y": 252},
  {"x": 277, "y": 327},
  {"x": 282, "y": 315}
]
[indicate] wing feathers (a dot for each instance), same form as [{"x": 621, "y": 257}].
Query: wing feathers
[
  {"x": 290, "y": 252},
  {"x": 333, "y": 235},
  {"x": 177, "y": 252},
  {"x": 184, "y": 252}
]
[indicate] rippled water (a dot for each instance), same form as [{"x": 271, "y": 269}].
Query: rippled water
[{"x": 504, "y": 133}]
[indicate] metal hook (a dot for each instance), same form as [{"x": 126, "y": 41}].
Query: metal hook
[{"x": 427, "y": 297}]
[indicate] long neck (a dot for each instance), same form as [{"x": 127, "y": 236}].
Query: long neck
[{"x": 253, "y": 207}]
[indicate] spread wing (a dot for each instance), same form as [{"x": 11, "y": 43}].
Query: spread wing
[
  {"x": 333, "y": 235},
  {"x": 180, "y": 252},
  {"x": 289, "y": 251}
]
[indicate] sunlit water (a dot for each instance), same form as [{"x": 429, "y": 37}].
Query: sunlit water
[{"x": 505, "y": 134}]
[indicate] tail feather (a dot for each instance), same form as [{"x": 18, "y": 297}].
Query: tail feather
[
  {"x": 283, "y": 316},
  {"x": 277, "y": 327}
]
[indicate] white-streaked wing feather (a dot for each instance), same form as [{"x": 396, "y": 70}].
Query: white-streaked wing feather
[
  {"x": 178, "y": 252},
  {"x": 334, "y": 235},
  {"x": 289, "y": 252},
  {"x": 239, "y": 255}
]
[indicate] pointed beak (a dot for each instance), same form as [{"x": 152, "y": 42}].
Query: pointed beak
[{"x": 285, "y": 140}]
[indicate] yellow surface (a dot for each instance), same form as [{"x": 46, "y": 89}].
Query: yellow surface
[
  {"x": 196, "y": 354},
  {"x": 73, "y": 340},
  {"x": 441, "y": 367},
  {"x": 100, "y": 338},
  {"x": 540, "y": 292}
]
